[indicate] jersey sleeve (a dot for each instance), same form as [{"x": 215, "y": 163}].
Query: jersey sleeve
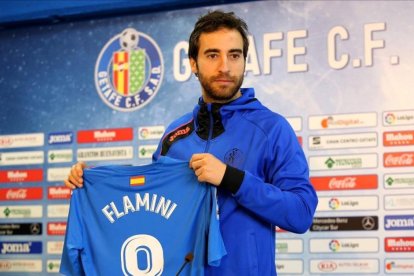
[{"x": 71, "y": 262}]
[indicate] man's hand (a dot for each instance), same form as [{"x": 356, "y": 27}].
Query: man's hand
[
  {"x": 208, "y": 168},
  {"x": 75, "y": 177}
]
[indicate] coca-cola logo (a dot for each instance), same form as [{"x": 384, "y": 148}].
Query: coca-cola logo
[
  {"x": 16, "y": 194},
  {"x": 398, "y": 159},
  {"x": 344, "y": 183}
]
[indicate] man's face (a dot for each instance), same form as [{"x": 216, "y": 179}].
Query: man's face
[{"x": 220, "y": 65}]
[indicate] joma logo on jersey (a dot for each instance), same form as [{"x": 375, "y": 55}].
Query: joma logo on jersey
[{"x": 129, "y": 70}]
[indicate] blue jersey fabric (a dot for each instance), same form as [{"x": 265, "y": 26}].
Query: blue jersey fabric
[
  {"x": 141, "y": 220},
  {"x": 274, "y": 189}
]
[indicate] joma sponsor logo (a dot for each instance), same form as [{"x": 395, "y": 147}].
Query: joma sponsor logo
[
  {"x": 60, "y": 138},
  {"x": 20, "y": 247},
  {"x": 402, "y": 222}
]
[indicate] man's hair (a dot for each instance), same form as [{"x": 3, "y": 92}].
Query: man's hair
[{"x": 213, "y": 21}]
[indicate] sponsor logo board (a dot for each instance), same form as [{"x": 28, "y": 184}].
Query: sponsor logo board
[
  {"x": 398, "y": 138},
  {"x": 21, "y": 140},
  {"x": 21, "y": 211},
  {"x": 402, "y": 180},
  {"x": 20, "y": 265},
  {"x": 56, "y": 228},
  {"x": 345, "y": 182},
  {"x": 399, "y": 244},
  {"x": 13, "y": 194},
  {"x": 399, "y": 202},
  {"x": 344, "y": 245},
  {"x": 52, "y": 266},
  {"x": 399, "y": 266},
  {"x": 21, "y": 175},
  {"x": 60, "y": 138},
  {"x": 20, "y": 247},
  {"x": 358, "y": 223},
  {"x": 146, "y": 151},
  {"x": 150, "y": 132},
  {"x": 398, "y": 159},
  {"x": 399, "y": 222},
  {"x": 21, "y": 158},
  {"x": 55, "y": 247},
  {"x": 106, "y": 153},
  {"x": 343, "y": 162},
  {"x": 57, "y": 210},
  {"x": 347, "y": 203},
  {"x": 57, "y": 174},
  {"x": 344, "y": 266},
  {"x": 19, "y": 229},
  {"x": 59, "y": 156},
  {"x": 343, "y": 141},
  {"x": 341, "y": 121},
  {"x": 58, "y": 192},
  {"x": 398, "y": 118},
  {"x": 105, "y": 135}
]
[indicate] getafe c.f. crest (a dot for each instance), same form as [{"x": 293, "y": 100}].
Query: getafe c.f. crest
[{"x": 129, "y": 70}]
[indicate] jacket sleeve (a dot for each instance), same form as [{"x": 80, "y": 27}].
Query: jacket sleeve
[
  {"x": 287, "y": 199},
  {"x": 71, "y": 263}
]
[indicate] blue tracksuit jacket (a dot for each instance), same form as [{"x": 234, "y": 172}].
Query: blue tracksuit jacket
[{"x": 266, "y": 183}]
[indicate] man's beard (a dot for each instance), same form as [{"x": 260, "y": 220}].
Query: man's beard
[{"x": 224, "y": 94}]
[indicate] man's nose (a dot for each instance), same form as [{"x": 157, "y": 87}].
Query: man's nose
[{"x": 224, "y": 64}]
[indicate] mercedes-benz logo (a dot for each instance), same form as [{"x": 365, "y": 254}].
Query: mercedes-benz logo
[
  {"x": 368, "y": 223},
  {"x": 35, "y": 228}
]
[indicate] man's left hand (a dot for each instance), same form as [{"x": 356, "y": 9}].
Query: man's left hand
[{"x": 208, "y": 168}]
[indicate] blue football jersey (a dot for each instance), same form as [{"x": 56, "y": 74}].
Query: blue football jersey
[{"x": 142, "y": 220}]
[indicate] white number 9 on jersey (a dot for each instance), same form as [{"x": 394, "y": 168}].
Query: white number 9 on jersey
[{"x": 142, "y": 255}]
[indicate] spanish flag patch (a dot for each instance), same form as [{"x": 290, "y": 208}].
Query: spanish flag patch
[{"x": 137, "y": 180}]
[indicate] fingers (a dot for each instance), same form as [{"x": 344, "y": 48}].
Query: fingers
[
  {"x": 195, "y": 160},
  {"x": 207, "y": 168},
  {"x": 75, "y": 177}
]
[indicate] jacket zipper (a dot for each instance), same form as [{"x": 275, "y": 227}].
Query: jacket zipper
[{"x": 210, "y": 128}]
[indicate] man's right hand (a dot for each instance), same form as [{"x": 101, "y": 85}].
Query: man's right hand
[{"x": 75, "y": 177}]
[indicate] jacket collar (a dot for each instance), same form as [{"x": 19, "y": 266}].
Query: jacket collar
[{"x": 210, "y": 118}]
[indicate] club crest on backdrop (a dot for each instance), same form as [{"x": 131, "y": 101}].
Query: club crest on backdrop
[{"x": 129, "y": 70}]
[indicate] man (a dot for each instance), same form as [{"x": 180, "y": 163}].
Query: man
[{"x": 235, "y": 143}]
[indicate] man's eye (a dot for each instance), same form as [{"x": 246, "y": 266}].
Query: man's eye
[
  {"x": 235, "y": 56},
  {"x": 212, "y": 56}
]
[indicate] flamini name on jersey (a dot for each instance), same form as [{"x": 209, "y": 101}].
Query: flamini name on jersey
[{"x": 149, "y": 202}]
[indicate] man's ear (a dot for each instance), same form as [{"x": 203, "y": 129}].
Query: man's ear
[{"x": 193, "y": 64}]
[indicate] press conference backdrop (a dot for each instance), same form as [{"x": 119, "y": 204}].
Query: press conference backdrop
[{"x": 102, "y": 91}]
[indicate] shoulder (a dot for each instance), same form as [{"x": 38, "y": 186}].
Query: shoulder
[
  {"x": 267, "y": 121},
  {"x": 181, "y": 121}
]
